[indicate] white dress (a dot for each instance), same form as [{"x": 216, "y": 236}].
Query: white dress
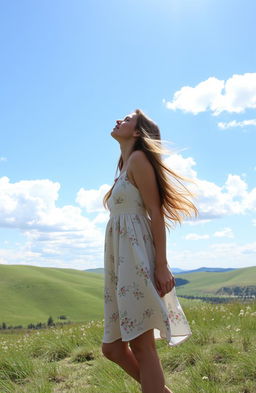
[{"x": 132, "y": 304}]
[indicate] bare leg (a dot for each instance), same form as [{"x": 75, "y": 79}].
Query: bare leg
[
  {"x": 151, "y": 372},
  {"x": 120, "y": 353}
]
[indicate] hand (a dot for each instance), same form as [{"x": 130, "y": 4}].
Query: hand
[{"x": 164, "y": 280}]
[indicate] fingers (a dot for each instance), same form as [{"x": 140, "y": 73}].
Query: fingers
[{"x": 164, "y": 289}]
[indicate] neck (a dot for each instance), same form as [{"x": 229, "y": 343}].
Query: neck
[{"x": 126, "y": 149}]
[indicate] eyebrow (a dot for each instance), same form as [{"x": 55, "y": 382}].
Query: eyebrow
[{"x": 127, "y": 117}]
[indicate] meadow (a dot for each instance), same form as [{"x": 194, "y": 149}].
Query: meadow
[{"x": 219, "y": 357}]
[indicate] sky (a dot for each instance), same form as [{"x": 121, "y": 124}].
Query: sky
[{"x": 69, "y": 70}]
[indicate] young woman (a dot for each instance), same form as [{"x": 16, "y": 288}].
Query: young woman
[{"x": 140, "y": 301}]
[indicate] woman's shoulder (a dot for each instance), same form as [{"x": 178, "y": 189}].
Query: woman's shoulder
[{"x": 138, "y": 156}]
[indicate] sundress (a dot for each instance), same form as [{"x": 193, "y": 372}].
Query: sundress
[{"x": 132, "y": 304}]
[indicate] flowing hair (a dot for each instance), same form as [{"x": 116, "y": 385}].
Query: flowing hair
[{"x": 175, "y": 203}]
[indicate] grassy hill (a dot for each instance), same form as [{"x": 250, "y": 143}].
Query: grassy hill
[
  {"x": 209, "y": 283},
  {"x": 30, "y": 294}
]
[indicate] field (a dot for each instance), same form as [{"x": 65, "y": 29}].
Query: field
[{"x": 220, "y": 356}]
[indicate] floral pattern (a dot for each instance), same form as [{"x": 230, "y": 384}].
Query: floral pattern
[
  {"x": 131, "y": 324},
  {"x": 132, "y": 304},
  {"x": 133, "y": 289},
  {"x": 132, "y": 237},
  {"x": 143, "y": 272}
]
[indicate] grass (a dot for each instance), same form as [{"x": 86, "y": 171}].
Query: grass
[{"x": 219, "y": 357}]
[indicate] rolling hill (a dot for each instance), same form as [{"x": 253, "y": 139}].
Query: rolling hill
[
  {"x": 212, "y": 283},
  {"x": 30, "y": 294}
]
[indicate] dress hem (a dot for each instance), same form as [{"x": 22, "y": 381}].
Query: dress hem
[{"x": 184, "y": 337}]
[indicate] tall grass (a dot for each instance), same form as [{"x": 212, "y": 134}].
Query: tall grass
[{"x": 219, "y": 357}]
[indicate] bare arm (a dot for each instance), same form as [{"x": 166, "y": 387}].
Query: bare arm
[
  {"x": 145, "y": 179},
  {"x": 159, "y": 236}
]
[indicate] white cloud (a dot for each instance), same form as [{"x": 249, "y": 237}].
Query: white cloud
[
  {"x": 235, "y": 95},
  {"x": 62, "y": 234},
  {"x": 226, "y": 232},
  {"x": 64, "y": 237},
  {"x": 92, "y": 200},
  {"x": 182, "y": 165},
  {"x": 195, "y": 236},
  {"x": 3, "y": 159},
  {"x": 196, "y": 99},
  {"x": 215, "y": 255},
  {"x": 234, "y": 123}
]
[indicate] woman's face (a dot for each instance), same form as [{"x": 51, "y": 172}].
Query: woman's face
[{"x": 125, "y": 129}]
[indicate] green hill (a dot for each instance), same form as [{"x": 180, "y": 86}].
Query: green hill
[
  {"x": 211, "y": 283},
  {"x": 30, "y": 294}
]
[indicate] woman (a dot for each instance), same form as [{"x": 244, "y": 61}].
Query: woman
[{"x": 141, "y": 304}]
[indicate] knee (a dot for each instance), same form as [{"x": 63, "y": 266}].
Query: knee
[
  {"x": 141, "y": 351},
  {"x": 106, "y": 350},
  {"x": 111, "y": 352}
]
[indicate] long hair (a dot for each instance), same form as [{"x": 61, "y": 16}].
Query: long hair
[{"x": 174, "y": 200}]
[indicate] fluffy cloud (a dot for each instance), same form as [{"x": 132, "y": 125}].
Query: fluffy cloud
[
  {"x": 235, "y": 123},
  {"x": 212, "y": 200},
  {"x": 233, "y": 95},
  {"x": 64, "y": 237},
  {"x": 30, "y": 204},
  {"x": 196, "y": 236},
  {"x": 52, "y": 233},
  {"x": 226, "y": 232},
  {"x": 92, "y": 200},
  {"x": 230, "y": 254}
]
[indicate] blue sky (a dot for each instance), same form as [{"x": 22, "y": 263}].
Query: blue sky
[{"x": 70, "y": 69}]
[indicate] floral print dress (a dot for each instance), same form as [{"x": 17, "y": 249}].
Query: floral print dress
[{"x": 132, "y": 304}]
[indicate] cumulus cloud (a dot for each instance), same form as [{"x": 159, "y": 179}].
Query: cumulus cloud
[
  {"x": 226, "y": 232},
  {"x": 92, "y": 200},
  {"x": 212, "y": 200},
  {"x": 51, "y": 232},
  {"x": 235, "y": 123},
  {"x": 229, "y": 254},
  {"x": 65, "y": 237},
  {"x": 233, "y": 95},
  {"x": 196, "y": 236}
]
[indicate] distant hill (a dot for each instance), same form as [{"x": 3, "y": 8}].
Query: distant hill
[
  {"x": 30, "y": 294},
  {"x": 208, "y": 269},
  {"x": 232, "y": 282},
  {"x": 99, "y": 270},
  {"x": 175, "y": 270}
]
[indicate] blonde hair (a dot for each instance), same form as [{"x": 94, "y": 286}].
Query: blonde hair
[{"x": 174, "y": 201}]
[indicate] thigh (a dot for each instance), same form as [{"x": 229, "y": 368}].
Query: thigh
[{"x": 143, "y": 342}]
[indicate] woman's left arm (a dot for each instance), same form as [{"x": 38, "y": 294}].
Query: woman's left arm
[
  {"x": 145, "y": 179},
  {"x": 159, "y": 236}
]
